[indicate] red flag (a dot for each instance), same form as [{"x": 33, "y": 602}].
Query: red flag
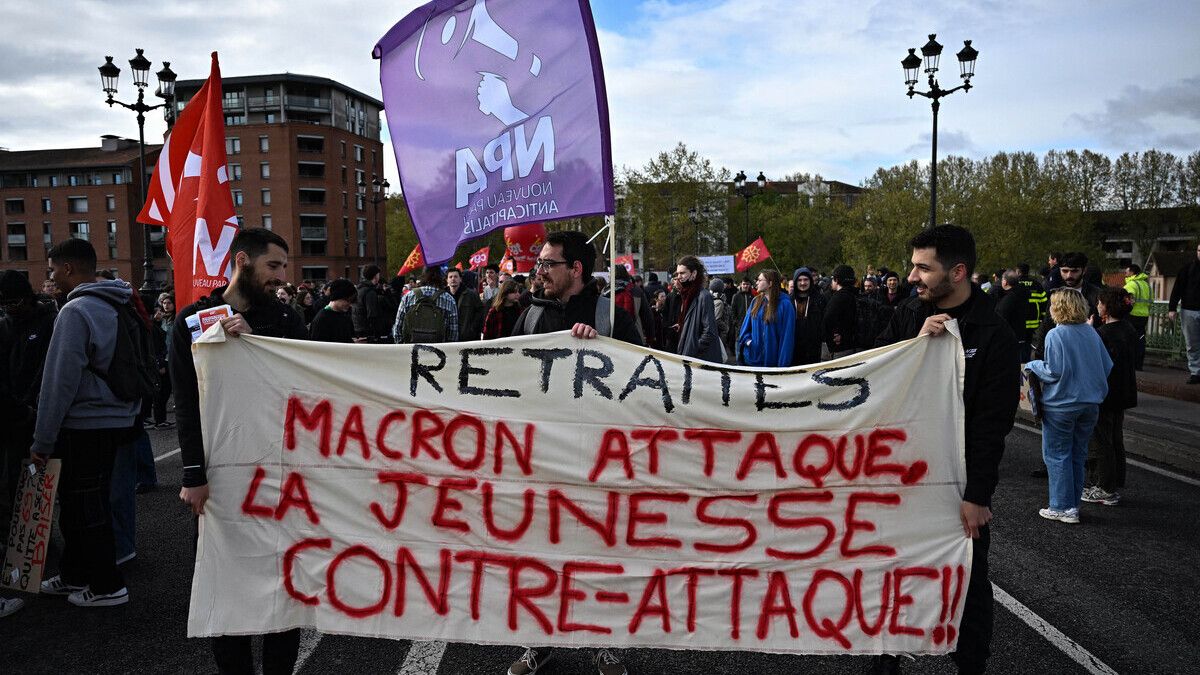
[
  {"x": 479, "y": 259},
  {"x": 508, "y": 266},
  {"x": 627, "y": 261},
  {"x": 524, "y": 244},
  {"x": 189, "y": 194},
  {"x": 752, "y": 255},
  {"x": 414, "y": 261},
  {"x": 458, "y": 267}
]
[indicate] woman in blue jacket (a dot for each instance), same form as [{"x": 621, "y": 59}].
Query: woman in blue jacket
[
  {"x": 1074, "y": 375},
  {"x": 769, "y": 329}
]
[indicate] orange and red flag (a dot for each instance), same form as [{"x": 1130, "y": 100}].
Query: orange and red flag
[
  {"x": 414, "y": 261},
  {"x": 752, "y": 255}
]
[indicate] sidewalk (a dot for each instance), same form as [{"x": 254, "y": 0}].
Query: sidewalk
[{"x": 1168, "y": 382}]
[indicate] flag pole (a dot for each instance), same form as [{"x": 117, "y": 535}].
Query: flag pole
[{"x": 610, "y": 224}]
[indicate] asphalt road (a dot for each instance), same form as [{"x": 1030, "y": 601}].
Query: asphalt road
[{"x": 1123, "y": 586}]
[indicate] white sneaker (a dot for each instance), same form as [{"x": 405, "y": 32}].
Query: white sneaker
[
  {"x": 86, "y": 598},
  {"x": 56, "y": 586},
  {"x": 10, "y": 606},
  {"x": 124, "y": 559},
  {"x": 1069, "y": 516}
]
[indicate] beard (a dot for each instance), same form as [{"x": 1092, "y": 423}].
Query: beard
[
  {"x": 257, "y": 291},
  {"x": 935, "y": 292}
]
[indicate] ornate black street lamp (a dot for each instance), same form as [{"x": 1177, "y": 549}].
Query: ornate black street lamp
[
  {"x": 743, "y": 190},
  {"x": 931, "y": 53},
  {"x": 140, "y": 65},
  {"x": 378, "y": 196}
]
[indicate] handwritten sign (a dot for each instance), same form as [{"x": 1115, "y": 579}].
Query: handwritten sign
[
  {"x": 549, "y": 490},
  {"x": 29, "y": 530}
]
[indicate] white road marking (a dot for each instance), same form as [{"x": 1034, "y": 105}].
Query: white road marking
[
  {"x": 1141, "y": 465},
  {"x": 1065, "y": 644},
  {"x": 424, "y": 658},
  {"x": 309, "y": 639},
  {"x": 165, "y": 455}
]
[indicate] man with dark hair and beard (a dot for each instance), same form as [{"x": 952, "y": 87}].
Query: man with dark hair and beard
[
  {"x": 259, "y": 258},
  {"x": 943, "y": 258},
  {"x": 1071, "y": 268}
]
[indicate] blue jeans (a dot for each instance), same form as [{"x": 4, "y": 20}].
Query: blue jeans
[
  {"x": 146, "y": 473},
  {"x": 121, "y": 497},
  {"x": 1191, "y": 335},
  {"x": 1065, "y": 435}
]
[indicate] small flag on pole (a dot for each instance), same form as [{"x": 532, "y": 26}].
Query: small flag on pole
[
  {"x": 479, "y": 259},
  {"x": 414, "y": 261},
  {"x": 752, "y": 255},
  {"x": 627, "y": 262}
]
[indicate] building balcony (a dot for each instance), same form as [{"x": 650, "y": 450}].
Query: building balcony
[
  {"x": 307, "y": 103},
  {"x": 314, "y": 233},
  {"x": 264, "y": 102},
  {"x": 234, "y": 103}
]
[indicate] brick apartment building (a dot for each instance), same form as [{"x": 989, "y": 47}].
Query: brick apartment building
[
  {"x": 297, "y": 148},
  {"x": 90, "y": 193}
]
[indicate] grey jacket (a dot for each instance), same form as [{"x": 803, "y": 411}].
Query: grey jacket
[
  {"x": 72, "y": 397},
  {"x": 698, "y": 335}
]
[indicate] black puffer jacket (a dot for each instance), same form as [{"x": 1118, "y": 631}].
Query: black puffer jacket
[
  {"x": 23, "y": 344},
  {"x": 991, "y": 388}
]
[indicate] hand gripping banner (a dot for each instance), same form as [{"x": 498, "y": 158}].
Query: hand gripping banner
[
  {"x": 554, "y": 491},
  {"x": 498, "y": 116}
]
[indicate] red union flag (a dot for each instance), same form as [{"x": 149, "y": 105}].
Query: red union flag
[
  {"x": 627, "y": 262},
  {"x": 189, "y": 195},
  {"x": 752, "y": 255},
  {"x": 479, "y": 259},
  {"x": 507, "y": 265},
  {"x": 414, "y": 261}
]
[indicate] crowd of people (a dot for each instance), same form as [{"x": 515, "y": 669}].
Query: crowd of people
[{"x": 86, "y": 369}]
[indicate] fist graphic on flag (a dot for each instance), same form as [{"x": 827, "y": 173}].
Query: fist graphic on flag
[{"x": 752, "y": 255}]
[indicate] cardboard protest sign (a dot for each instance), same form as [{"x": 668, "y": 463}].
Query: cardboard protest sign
[
  {"x": 29, "y": 530},
  {"x": 555, "y": 491}
]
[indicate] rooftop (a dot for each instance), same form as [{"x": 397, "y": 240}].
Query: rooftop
[
  {"x": 114, "y": 152},
  {"x": 191, "y": 86}
]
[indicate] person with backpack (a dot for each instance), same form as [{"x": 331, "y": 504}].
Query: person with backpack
[
  {"x": 428, "y": 314},
  {"x": 769, "y": 329},
  {"x": 93, "y": 384},
  {"x": 258, "y": 257}
]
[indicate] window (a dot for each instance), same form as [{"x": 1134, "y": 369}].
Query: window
[
  {"x": 112, "y": 239},
  {"x": 77, "y": 205},
  {"x": 360, "y": 176},
  {"x": 360, "y": 202},
  {"x": 374, "y": 159},
  {"x": 269, "y": 118},
  {"x": 234, "y": 120},
  {"x": 53, "y": 181},
  {"x": 235, "y": 172},
  {"x": 110, "y": 203},
  {"x": 310, "y": 143},
  {"x": 118, "y": 178},
  {"x": 79, "y": 229},
  {"x": 73, "y": 180},
  {"x": 343, "y": 175},
  {"x": 312, "y": 197},
  {"x": 46, "y": 236},
  {"x": 14, "y": 206},
  {"x": 94, "y": 179},
  {"x": 45, "y": 205},
  {"x": 312, "y": 247},
  {"x": 16, "y": 242},
  {"x": 241, "y": 222},
  {"x": 362, "y": 237},
  {"x": 310, "y": 169},
  {"x": 315, "y": 273},
  {"x": 233, "y": 99},
  {"x": 264, "y": 144},
  {"x": 266, "y": 197},
  {"x": 358, "y": 153},
  {"x": 233, "y": 146},
  {"x": 264, "y": 170},
  {"x": 343, "y": 149},
  {"x": 345, "y": 201},
  {"x": 266, "y": 221},
  {"x": 237, "y": 198}
]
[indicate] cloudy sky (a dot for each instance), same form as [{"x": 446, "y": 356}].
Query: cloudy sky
[{"x": 775, "y": 86}]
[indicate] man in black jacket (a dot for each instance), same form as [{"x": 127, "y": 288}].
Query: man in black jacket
[
  {"x": 259, "y": 259},
  {"x": 470, "y": 308},
  {"x": 568, "y": 300},
  {"x": 1013, "y": 308},
  {"x": 943, "y": 259},
  {"x": 1072, "y": 268},
  {"x": 840, "y": 323},
  {"x": 1186, "y": 292},
  {"x": 372, "y": 320}
]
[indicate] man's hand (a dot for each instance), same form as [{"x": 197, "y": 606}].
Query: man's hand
[
  {"x": 39, "y": 460},
  {"x": 935, "y": 325},
  {"x": 1171, "y": 316},
  {"x": 974, "y": 517},
  {"x": 236, "y": 325},
  {"x": 582, "y": 330},
  {"x": 195, "y": 497}
]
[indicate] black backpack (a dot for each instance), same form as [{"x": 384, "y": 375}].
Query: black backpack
[
  {"x": 133, "y": 372},
  {"x": 871, "y": 317},
  {"x": 424, "y": 322}
]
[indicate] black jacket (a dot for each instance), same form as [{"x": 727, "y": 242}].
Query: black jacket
[
  {"x": 580, "y": 308},
  {"x": 273, "y": 319},
  {"x": 23, "y": 344},
  {"x": 1090, "y": 293},
  {"x": 806, "y": 348},
  {"x": 1186, "y": 291},
  {"x": 1120, "y": 339},
  {"x": 1013, "y": 308},
  {"x": 330, "y": 325},
  {"x": 841, "y": 319},
  {"x": 991, "y": 387},
  {"x": 471, "y": 313},
  {"x": 370, "y": 313}
]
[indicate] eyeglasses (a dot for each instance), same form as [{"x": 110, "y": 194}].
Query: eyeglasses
[{"x": 543, "y": 264}]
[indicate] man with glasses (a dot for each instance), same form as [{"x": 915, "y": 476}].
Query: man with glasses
[
  {"x": 569, "y": 300},
  {"x": 1187, "y": 293}
]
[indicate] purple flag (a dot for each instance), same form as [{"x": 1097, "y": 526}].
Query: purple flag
[{"x": 498, "y": 116}]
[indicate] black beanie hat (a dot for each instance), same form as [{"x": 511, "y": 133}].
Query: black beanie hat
[{"x": 14, "y": 286}]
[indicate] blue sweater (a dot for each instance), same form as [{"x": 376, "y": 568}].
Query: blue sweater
[
  {"x": 1075, "y": 369},
  {"x": 768, "y": 345}
]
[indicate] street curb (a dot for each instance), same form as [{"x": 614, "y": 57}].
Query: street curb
[
  {"x": 1182, "y": 456},
  {"x": 1179, "y": 392}
]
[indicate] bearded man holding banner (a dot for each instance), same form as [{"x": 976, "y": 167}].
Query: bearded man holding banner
[
  {"x": 259, "y": 258},
  {"x": 943, "y": 259}
]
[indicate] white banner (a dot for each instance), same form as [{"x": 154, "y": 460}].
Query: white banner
[
  {"x": 553, "y": 491},
  {"x": 718, "y": 264}
]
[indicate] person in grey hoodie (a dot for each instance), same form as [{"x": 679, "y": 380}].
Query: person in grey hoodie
[{"x": 82, "y": 422}]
